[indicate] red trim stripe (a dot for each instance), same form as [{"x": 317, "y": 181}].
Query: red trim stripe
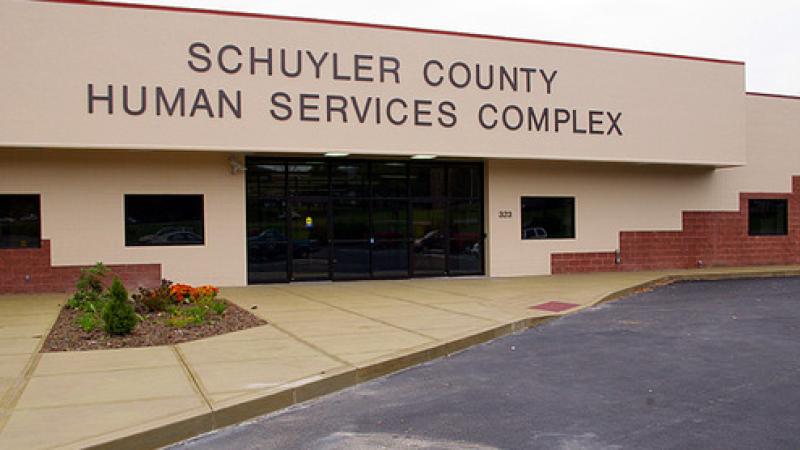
[
  {"x": 764, "y": 94},
  {"x": 385, "y": 27}
]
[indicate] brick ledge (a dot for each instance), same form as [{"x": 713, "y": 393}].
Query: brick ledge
[
  {"x": 707, "y": 239},
  {"x": 30, "y": 270}
]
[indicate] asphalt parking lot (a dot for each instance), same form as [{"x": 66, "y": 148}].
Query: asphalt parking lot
[{"x": 689, "y": 365}]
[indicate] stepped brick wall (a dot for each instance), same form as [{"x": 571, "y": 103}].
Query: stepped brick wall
[
  {"x": 708, "y": 239},
  {"x": 29, "y": 270}
]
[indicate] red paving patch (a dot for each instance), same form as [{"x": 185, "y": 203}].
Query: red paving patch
[{"x": 554, "y": 306}]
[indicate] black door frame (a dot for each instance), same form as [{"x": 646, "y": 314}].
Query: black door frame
[{"x": 447, "y": 199}]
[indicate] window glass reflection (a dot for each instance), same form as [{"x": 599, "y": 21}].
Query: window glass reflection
[
  {"x": 20, "y": 221},
  {"x": 163, "y": 220},
  {"x": 548, "y": 217}
]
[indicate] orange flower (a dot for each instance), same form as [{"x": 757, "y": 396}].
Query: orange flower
[
  {"x": 184, "y": 293},
  {"x": 205, "y": 292},
  {"x": 181, "y": 292}
]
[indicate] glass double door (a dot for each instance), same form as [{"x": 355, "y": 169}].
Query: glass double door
[
  {"x": 314, "y": 220},
  {"x": 348, "y": 239},
  {"x": 310, "y": 255}
]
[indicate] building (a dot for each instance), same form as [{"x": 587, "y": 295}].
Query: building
[{"x": 233, "y": 148}]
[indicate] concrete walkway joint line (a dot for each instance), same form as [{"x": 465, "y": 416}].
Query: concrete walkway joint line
[{"x": 191, "y": 375}]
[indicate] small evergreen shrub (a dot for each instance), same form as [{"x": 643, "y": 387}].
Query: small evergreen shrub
[{"x": 118, "y": 314}]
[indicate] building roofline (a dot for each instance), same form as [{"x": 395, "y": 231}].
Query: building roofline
[
  {"x": 386, "y": 27},
  {"x": 765, "y": 94}
]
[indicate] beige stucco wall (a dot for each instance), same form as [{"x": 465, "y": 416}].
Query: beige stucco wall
[
  {"x": 674, "y": 110},
  {"x": 612, "y": 198},
  {"x": 82, "y": 207},
  {"x": 82, "y": 199},
  {"x": 773, "y": 150}
]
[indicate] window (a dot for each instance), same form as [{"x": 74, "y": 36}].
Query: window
[
  {"x": 548, "y": 217},
  {"x": 768, "y": 217},
  {"x": 153, "y": 220},
  {"x": 20, "y": 221}
]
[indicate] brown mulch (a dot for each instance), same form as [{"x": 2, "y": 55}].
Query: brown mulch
[{"x": 66, "y": 335}]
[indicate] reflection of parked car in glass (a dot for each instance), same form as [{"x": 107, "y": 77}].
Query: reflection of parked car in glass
[
  {"x": 171, "y": 234},
  {"x": 267, "y": 236},
  {"x": 267, "y": 243},
  {"x": 26, "y": 218},
  {"x": 303, "y": 248},
  {"x": 293, "y": 215},
  {"x": 272, "y": 242},
  {"x": 432, "y": 240},
  {"x": 462, "y": 241},
  {"x": 173, "y": 237},
  {"x": 534, "y": 233},
  {"x": 474, "y": 250}
]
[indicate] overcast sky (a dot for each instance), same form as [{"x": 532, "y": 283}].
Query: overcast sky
[{"x": 765, "y": 33}]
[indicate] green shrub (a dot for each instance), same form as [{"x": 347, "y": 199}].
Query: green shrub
[
  {"x": 186, "y": 316},
  {"x": 118, "y": 314},
  {"x": 80, "y": 298},
  {"x": 91, "y": 304},
  {"x": 178, "y": 321},
  {"x": 88, "y": 303},
  {"x": 87, "y": 321},
  {"x": 218, "y": 306},
  {"x": 89, "y": 296},
  {"x": 197, "y": 314},
  {"x": 91, "y": 279}
]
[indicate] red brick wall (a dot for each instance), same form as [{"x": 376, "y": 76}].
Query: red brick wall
[
  {"x": 708, "y": 238},
  {"x": 30, "y": 271}
]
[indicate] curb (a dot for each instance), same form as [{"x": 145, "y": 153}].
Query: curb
[
  {"x": 713, "y": 276},
  {"x": 337, "y": 380}
]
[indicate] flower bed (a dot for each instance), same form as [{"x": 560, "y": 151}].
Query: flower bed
[{"x": 99, "y": 318}]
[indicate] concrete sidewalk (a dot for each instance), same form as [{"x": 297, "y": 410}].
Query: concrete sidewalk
[{"x": 321, "y": 337}]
